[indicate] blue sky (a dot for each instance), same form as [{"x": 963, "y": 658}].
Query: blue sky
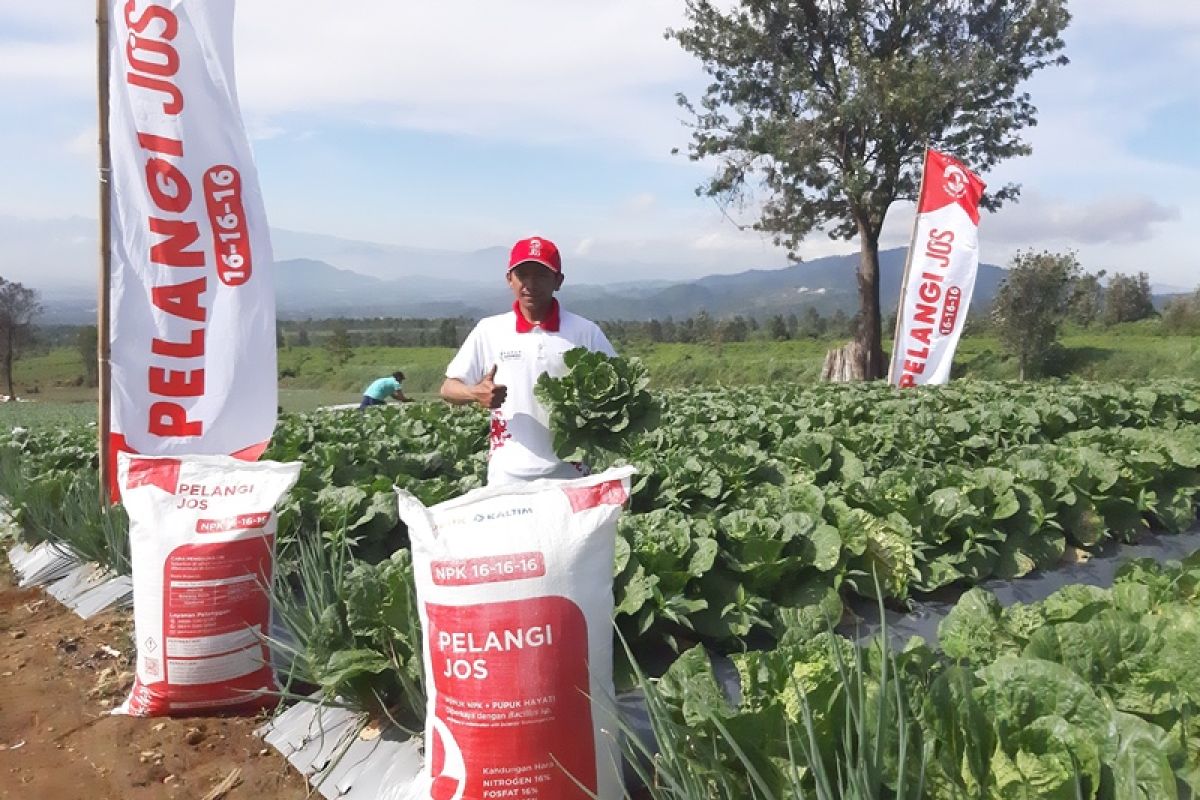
[{"x": 466, "y": 125}]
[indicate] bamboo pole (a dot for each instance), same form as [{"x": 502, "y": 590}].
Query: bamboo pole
[
  {"x": 102, "y": 315},
  {"x": 912, "y": 243}
]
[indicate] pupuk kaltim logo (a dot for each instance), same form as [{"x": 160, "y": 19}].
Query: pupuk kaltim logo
[{"x": 956, "y": 180}]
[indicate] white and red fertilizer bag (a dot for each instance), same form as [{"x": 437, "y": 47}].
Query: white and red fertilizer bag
[
  {"x": 514, "y": 586},
  {"x": 202, "y": 542}
]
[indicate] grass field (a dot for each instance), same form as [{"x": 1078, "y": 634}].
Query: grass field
[
  {"x": 43, "y": 412},
  {"x": 1092, "y": 356},
  {"x": 309, "y": 379},
  {"x": 51, "y": 409}
]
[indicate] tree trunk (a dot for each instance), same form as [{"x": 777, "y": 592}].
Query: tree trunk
[
  {"x": 869, "y": 335},
  {"x": 845, "y": 364},
  {"x": 8, "y": 369}
]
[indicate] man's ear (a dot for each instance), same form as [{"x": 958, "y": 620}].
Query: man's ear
[{"x": 558, "y": 282}]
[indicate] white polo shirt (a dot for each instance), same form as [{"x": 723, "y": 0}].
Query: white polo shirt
[{"x": 520, "y": 445}]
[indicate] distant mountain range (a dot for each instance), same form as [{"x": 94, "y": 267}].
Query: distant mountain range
[
  {"x": 313, "y": 288},
  {"x": 327, "y": 276}
]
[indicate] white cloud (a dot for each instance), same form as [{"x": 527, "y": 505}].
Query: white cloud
[
  {"x": 65, "y": 67},
  {"x": 1113, "y": 219},
  {"x": 537, "y": 71},
  {"x": 261, "y": 131},
  {"x": 1118, "y": 232},
  {"x": 712, "y": 241},
  {"x": 1165, "y": 15},
  {"x": 86, "y": 143},
  {"x": 641, "y": 202},
  {"x": 1041, "y": 220},
  {"x": 599, "y": 79}
]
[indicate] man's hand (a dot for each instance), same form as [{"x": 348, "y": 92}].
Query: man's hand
[{"x": 487, "y": 392}]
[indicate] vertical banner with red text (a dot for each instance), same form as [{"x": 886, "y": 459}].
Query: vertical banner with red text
[
  {"x": 941, "y": 274},
  {"x": 192, "y": 310}
]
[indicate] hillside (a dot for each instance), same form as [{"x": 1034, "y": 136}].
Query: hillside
[{"x": 315, "y": 288}]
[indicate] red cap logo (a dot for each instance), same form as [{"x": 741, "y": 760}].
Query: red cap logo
[{"x": 538, "y": 250}]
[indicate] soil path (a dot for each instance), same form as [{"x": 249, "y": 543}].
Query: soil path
[{"x": 60, "y": 675}]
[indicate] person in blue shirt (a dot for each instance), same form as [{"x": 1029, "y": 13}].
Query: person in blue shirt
[{"x": 380, "y": 390}]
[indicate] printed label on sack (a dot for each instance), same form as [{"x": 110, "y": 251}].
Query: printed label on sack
[
  {"x": 512, "y": 696},
  {"x": 239, "y": 523},
  {"x": 489, "y": 569},
  {"x": 214, "y": 606}
]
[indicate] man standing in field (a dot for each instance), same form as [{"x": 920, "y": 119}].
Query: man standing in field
[
  {"x": 380, "y": 390},
  {"x": 502, "y": 358}
]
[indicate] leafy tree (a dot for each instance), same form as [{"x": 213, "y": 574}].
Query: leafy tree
[
  {"x": 654, "y": 329},
  {"x": 685, "y": 332},
  {"x": 840, "y": 324},
  {"x": 338, "y": 345},
  {"x": 18, "y": 306},
  {"x": 812, "y": 324},
  {"x": 1087, "y": 299},
  {"x": 777, "y": 328},
  {"x": 302, "y": 337},
  {"x": 1181, "y": 315},
  {"x": 827, "y": 108},
  {"x": 735, "y": 330},
  {"x": 447, "y": 333},
  {"x": 1031, "y": 304},
  {"x": 1128, "y": 299},
  {"x": 889, "y": 323},
  {"x": 86, "y": 341},
  {"x": 670, "y": 330}
]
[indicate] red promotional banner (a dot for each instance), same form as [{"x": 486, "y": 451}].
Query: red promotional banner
[
  {"x": 940, "y": 278},
  {"x": 191, "y": 311}
]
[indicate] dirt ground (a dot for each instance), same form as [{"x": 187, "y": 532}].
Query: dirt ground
[{"x": 60, "y": 675}]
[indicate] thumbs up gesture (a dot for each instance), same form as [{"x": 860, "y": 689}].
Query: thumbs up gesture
[{"x": 488, "y": 393}]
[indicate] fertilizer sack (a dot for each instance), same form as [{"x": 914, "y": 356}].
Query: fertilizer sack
[
  {"x": 514, "y": 586},
  {"x": 202, "y": 545}
]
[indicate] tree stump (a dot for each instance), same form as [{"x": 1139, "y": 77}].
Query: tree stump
[{"x": 845, "y": 364}]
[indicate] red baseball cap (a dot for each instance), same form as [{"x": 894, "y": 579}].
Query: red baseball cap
[{"x": 536, "y": 249}]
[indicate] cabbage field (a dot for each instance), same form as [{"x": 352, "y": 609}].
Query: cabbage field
[{"x": 758, "y": 518}]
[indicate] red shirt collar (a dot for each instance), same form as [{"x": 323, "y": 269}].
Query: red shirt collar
[{"x": 550, "y": 323}]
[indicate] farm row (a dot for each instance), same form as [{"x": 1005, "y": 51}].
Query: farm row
[{"x": 755, "y": 512}]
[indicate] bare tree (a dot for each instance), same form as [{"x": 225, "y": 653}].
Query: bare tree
[{"x": 18, "y": 306}]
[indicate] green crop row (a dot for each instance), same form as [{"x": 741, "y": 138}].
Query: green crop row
[
  {"x": 1091, "y": 693},
  {"x": 754, "y": 513}
]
